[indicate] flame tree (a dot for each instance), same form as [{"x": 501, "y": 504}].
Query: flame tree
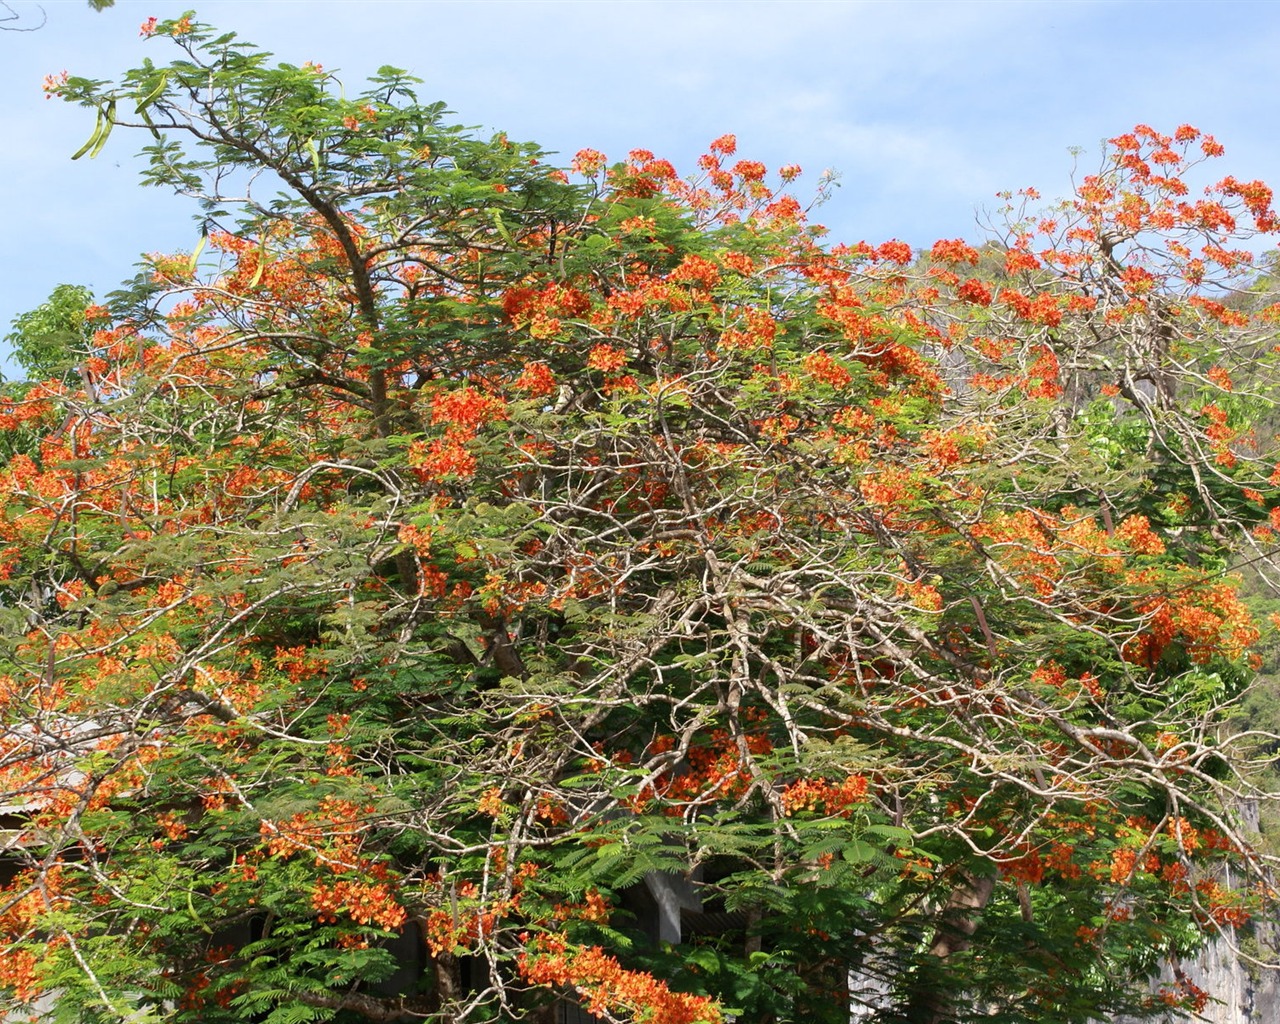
[{"x": 454, "y": 543}]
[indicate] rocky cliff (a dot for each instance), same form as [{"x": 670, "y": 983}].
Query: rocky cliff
[{"x": 1241, "y": 993}]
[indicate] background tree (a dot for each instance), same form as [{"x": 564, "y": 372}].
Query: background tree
[
  {"x": 446, "y": 553},
  {"x": 49, "y": 340}
]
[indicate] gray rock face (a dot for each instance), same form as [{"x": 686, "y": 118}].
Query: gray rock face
[{"x": 1240, "y": 993}]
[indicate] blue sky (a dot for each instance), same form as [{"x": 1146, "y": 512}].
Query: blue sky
[{"x": 926, "y": 110}]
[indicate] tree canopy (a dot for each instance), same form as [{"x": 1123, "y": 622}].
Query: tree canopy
[{"x": 457, "y": 555}]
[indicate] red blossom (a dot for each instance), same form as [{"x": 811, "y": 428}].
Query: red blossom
[
  {"x": 974, "y": 291},
  {"x": 607, "y": 358},
  {"x": 588, "y": 162},
  {"x": 725, "y": 145},
  {"x": 895, "y": 251}
]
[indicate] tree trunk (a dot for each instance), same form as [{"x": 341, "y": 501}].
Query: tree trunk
[{"x": 931, "y": 1000}]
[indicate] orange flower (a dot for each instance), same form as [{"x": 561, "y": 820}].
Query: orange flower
[
  {"x": 895, "y": 251},
  {"x": 974, "y": 291},
  {"x": 467, "y": 408},
  {"x": 821, "y": 367},
  {"x": 726, "y": 145},
  {"x": 954, "y": 250},
  {"x": 536, "y": 379},
  {"x": 587, "y": 162},
  {"x": 1221, "y": 378},
  {"x": 606, "y": 358},
  {"x": 52, "y": 83}
]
